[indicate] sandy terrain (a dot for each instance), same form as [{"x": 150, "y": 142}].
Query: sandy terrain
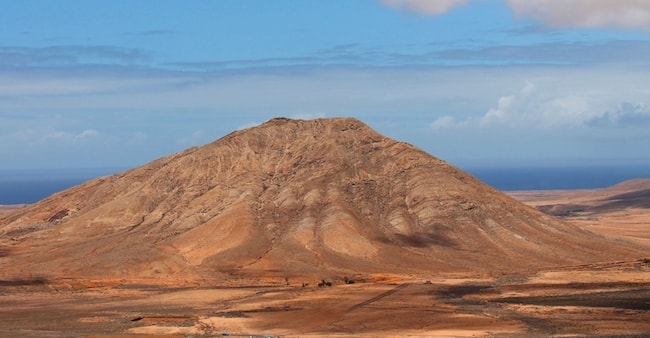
[
  {"x": 606, "y": 300},
  {"x": 5, "y": 209},
  {"x": 622, "y": 210},
  {"x": 609, "y": 299},
  {"x": 263, "y": 231}
]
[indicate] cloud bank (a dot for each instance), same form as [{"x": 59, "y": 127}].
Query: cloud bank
[
  {"x": 630, "y": 14},
  {"x": 627, "y": 14},
  {"x": 65, "y": 55},
  {"x": 548, "y": 104},
  {"x": 428, "y": 7}
]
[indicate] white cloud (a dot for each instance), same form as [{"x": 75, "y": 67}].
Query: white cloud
[
  {"x": 45, "y": 137},
  {"x": 631, "y": 14},
  {"x": 538, "y": 105},
  {"x": 446, "y": 122},
  {"x": 552, "y": 104},
  {"x": 64, "y": 137},
  {"x": 555, "y": 95},
  {"x": 625, "y": 115},
  {"x": 47, "y": 84},
  {"x": 66, "y": 55},
  {"x": 477, "y": 104},
  {"x": 88, "y": 133},
  {"x": 428, "y": 7}
]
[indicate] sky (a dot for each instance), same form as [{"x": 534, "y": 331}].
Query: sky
[{"x": 115, "y": 83}]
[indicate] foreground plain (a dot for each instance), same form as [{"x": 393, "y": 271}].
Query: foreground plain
[
  {"x": 601, "y": 299},
  {"x": 606, "y": 299}
]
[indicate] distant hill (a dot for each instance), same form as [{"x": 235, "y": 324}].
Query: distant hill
[
  {"x": 289, "y": 198},
  {"x": 629, "y": 194}
]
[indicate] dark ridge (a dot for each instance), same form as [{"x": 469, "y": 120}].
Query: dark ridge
[
  {"x": 639, "y": 199},
  {"x": 23, "y": 281},
  {"x": 634, "y": 199},
  {"x": 627, "y": 299}
]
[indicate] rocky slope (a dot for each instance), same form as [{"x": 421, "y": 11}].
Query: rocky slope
[{"x": 290, "y": 198}]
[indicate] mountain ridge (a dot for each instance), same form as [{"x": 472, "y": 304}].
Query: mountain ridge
[{"x": 290, "y": 197}]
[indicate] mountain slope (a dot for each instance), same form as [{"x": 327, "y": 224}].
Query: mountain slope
[{"x": 289, "y": 198}]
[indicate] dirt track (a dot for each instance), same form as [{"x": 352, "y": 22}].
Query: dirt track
[{"x": 606, "y": 300}]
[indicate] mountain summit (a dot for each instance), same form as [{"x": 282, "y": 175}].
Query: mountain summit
[{"x": 289, "y": 198}]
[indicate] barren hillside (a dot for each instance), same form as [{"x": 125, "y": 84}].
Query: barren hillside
[
  {"x": 622, "y": 210},
  {"x": 290, "y": 198}
]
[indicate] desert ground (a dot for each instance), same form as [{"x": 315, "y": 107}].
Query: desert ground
[
  {"x": 5, "y": 209},
  {"x": 606, "y": 299},
  {"x": 319, "y": 228},
  {"x": 622, "y": 210},
  {"x": 610, "y": 299}
]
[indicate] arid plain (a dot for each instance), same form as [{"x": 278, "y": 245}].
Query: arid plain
[{"x": 334, "y": 231}]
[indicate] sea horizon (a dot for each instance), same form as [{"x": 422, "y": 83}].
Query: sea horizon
[{"x": 30, "y": 186}]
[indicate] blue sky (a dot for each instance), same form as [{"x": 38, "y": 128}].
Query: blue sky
[{"x": 475, "y": 82}]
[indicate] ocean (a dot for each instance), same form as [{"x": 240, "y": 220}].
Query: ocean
[
  {"x": 29, "y": 186},
  {"x": 536, "y": 178}
]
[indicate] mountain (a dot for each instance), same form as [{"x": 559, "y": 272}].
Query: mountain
[
  {"x": 290, "y": 198},
  {"x": 631, "y": 194}
]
